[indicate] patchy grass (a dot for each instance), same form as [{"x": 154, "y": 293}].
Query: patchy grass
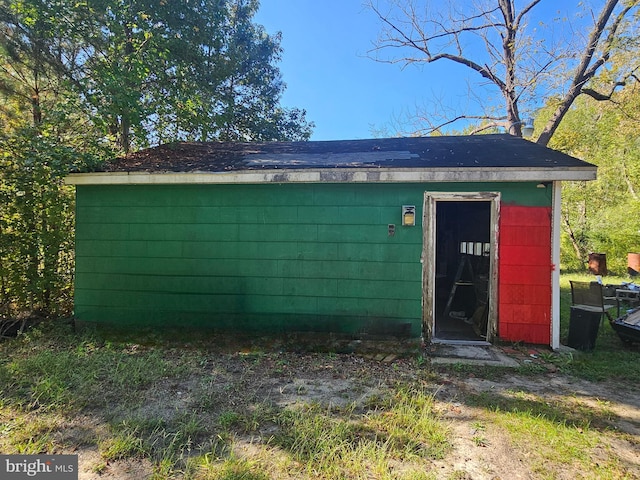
[
  {"x": 348, "y": 443},
  {"x": 177, "y": 408},
  {"x": 610, "y": 359},
  {"x": 566, "y": 433},
  {"x": 186, "y": 410}
]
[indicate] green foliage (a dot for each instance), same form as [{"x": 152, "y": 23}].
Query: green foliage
[
  {"x": 342, "y": 443},
  {"x": 602, "y": 216},
  {"x": 225, "y": 86},
  {"x": 137, "y": 401},
  {"x": 36, "y": 223},
  {"x": 82, "y": 80},
  {"x": 149, "y": 72}
]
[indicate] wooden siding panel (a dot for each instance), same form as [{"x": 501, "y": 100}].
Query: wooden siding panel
[
  {"x": 276, "y": 233},
  {"x": 512, "y": 274},
  {"x": 521, "y": 294},
  {"x": 182, "y": 284},
  {"x": 321, "y": 252},
  {"x": 517, "y": 215},
  {"x": 269, "y": 257},
  {"x": 524, "y": 278},
  {"x": 525, "y": 255},
  {"x": 525, "y": 236}
]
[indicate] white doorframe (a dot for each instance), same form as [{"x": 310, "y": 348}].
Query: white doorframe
[
  {"x": 555, "y": 262},
  {"x": 429, "y": 260}
]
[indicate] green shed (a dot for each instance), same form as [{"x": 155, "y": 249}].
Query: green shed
[{"x": 455, "y": 239}]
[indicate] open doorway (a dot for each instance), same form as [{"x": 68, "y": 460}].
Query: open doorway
[{"x": 459, "y": 276}]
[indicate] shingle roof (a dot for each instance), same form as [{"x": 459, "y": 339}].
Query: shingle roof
[{"x": 479, "y": 151}]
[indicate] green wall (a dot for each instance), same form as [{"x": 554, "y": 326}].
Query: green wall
[{"x": 269, "y": 257}]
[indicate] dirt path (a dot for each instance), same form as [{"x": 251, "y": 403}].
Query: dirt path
[
  {"x": 482, "y": 448},
  {"x": 501, "y": 459}
]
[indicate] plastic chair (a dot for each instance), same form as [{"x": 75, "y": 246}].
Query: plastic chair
[{"x": 588, "y": 296}]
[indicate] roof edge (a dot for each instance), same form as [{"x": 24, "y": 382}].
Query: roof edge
[{"x": 374, "y": 175}]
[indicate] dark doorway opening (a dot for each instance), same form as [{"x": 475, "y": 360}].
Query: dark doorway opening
[{"x": 463, "y": 236}]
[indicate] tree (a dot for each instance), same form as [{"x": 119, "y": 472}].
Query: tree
[
  {"x": 148, "y": 72},
  {"x": 602, "y": 216},
  {"x": 31, "y": 54},
  {"x": 228, "y": 87},
  {"x": 83, "y": 81},
  {"x": 494, "y": 41},
  {"x": 167, "y": 71},
  {"x": 35, "y": 224}
]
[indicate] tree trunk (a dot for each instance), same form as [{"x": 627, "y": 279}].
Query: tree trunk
[
  {"x": 509, "y": 87},
  {"x": 630, "y": 187},
  {"x": 574, "y": 241},
  {"x": 125, "y": 126},
  {"x": 125, "y": 121},
  {"x": 585, "y": 70},
  {"x": 36, "y": 109},
  {"x": 554, "y": 122}
]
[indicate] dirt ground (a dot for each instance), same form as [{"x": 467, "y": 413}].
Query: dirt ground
[
  {"x": 501, "y": 460},
  {"x": 238, "y": 380}
]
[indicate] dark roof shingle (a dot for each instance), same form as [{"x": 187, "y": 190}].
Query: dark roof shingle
[{"x": 484, "y": 151}]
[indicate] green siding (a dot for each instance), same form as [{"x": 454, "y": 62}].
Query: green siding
[{"x": 313, "y": 257}]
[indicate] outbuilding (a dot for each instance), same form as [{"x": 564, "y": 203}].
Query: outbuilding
[{"x": 452, "y": 239}]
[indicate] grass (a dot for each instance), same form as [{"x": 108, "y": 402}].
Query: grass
[
  {"x": 563, "y": 433},
  {"x": 232, "y": 468},
  {"x": 66, "y": 372},
  {"x": 196, "y": 414},
  {"x": 556, "y": 434},
  {"x": 403, "y": 426},
  {"x": 143, "y": 407},
  {"x": 610, "y": 359}
]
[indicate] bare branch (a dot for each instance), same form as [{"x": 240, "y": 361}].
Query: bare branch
[
  {"x": 586, "y": 70},
  {"x": 541, "y": 69},
  {"x": 517, "y": 65},
  {"x": 406, "y": 40},
  {"x": 601, "y": 97},
  {"x": 421, "y": 44},
  {"x": 485, "y": 127},
  {"x": 610, "y": 40},
  {"x": 483, "y": 70},
  {"x": 518, "y": 21}
]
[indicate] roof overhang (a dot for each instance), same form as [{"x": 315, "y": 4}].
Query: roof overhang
[{"x": 339, "y": 175}]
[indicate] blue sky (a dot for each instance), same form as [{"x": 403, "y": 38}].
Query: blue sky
[{"x": 327, "y": 72}]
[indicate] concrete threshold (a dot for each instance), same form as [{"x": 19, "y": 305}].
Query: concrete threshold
[{"x": 469, "y": 354}]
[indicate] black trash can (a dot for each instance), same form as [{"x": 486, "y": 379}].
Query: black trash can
[{"x": 583, "y": 328}]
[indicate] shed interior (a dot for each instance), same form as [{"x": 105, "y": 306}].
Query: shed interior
[{"x": 462, "y": 270}]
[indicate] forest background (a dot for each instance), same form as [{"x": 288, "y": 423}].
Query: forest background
[{"x": 84, "y": 81}]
